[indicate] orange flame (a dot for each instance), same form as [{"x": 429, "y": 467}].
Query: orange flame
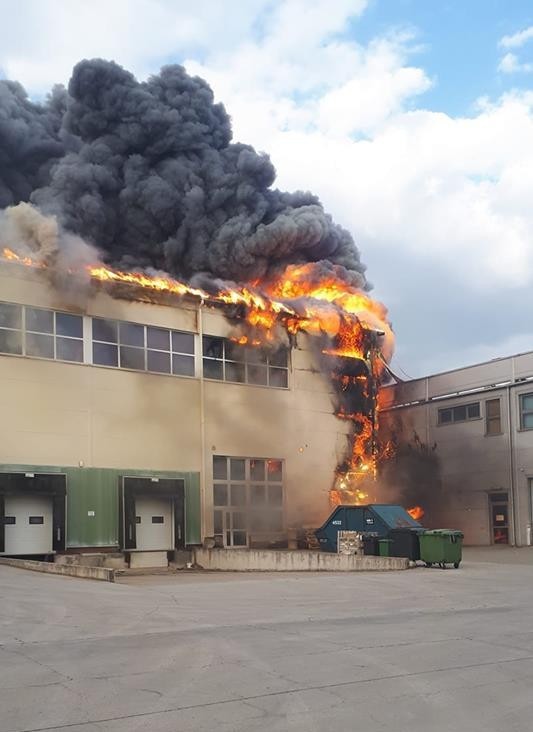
[{"x": 416, "y": 512}]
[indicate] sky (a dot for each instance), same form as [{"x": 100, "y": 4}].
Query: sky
[{"x": 411, "y": 119}]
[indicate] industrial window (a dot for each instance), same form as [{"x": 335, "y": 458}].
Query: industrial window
[
  {"x": 142, "y": 347},
  {"x": 526, "y": 411},
  {"x": 461, "y": 413},
  {"x": 226, "y": 360},
  {"x": 247, "y": 498},
  {"x": 493, "y": 417},
  {"x": 41, "y": 333}
]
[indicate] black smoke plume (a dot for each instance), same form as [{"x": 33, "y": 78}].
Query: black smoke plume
[{"x": 147, "y": 173}]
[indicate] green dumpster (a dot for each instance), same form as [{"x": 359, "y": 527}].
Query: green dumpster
[
  {"x": 384, "y": 547},
  {"x": 442, "y": 547}
]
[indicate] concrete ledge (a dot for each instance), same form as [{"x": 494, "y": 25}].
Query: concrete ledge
[
  {"x": 268, "y": 560},
  {"x": 70, "y": 570}
]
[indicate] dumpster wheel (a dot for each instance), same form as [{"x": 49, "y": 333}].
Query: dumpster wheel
[
  {"x": 456, "y": 565},
  {"x": 429, "y": 564}
]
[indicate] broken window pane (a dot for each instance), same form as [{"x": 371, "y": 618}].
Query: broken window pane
[{"x": 213, "y": 347}]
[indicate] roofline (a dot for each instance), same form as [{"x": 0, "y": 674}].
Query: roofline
[{"x": 465, "y": 368}]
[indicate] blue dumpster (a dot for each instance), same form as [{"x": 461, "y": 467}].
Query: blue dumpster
[{"x": 377, "y": 519}]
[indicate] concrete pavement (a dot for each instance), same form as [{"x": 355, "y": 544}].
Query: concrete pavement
[{"x": 425, "y": 649}]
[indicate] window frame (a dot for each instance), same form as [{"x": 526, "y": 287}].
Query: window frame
[
  {"x": 230, "y": 361},
  {"x": 118, "y": 345},
  {"x": 273, "y": 505},
  {"x": 523, "y": 412},
  {"x": 466, "y": 406},
  {"x": 56, "y": 338},
  {"x": 491, "y": 418}
]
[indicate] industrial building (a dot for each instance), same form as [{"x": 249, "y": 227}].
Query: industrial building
[
  {"x": 138, "y": 426},
  {"x": 481, "y": 420}
]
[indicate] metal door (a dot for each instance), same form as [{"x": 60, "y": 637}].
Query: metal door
[
  {"x": 499, "y": 518},
  {"x": 28, "y": 524},
  {"x": 153, "y": 523}
]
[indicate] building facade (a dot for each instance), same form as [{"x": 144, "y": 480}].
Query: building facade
[
  {"x": 481, "y": 420},
  {"x": 129, "y": 425}
]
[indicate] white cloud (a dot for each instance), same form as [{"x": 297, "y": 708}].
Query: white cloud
[
  {"x": 510, "y": 64},
  {"x": 439, "y": 204},
  {"x": 45, "y": 38},
  {"x": 516, "y": 40}
]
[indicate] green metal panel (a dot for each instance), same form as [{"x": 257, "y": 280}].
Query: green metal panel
[
  {"x": 92, "y": 507},
  {"x": 95, "y": 490},
  {"x": 193, "y": 509}
]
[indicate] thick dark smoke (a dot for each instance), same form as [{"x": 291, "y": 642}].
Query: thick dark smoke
[{"x": 147, "y": 173}]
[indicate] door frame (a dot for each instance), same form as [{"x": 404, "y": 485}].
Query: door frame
[
  {"x": 126, "y": 494},
  {"x": 20, "y": 483},
  {"x": 494, "y": 503}
]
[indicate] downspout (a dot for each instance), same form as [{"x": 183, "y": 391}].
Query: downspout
[
  {"x": 512, "y": 481},
  {"x": 202, "y": 425}
]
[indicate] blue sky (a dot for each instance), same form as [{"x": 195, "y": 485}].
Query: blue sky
[
  {"x": 412, "y": 119},
  {"x": 459, "y": 42}
]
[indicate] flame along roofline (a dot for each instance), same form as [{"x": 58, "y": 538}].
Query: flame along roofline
[{"x": 140, "y": 287}]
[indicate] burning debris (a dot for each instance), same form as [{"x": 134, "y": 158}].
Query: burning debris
[{"x": 139, "y": 184}]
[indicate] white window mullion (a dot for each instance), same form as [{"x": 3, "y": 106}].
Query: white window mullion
[{"x": 87, "y": 339}]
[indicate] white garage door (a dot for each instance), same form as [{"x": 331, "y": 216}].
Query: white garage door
[
  {"x": 28, "y": 525},
  {"x": 153, "y": 523}
]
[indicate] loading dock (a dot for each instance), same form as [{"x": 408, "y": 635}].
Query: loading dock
[
  {"x": 32, "y": 513},
  {"x": 153, "y": 514}
]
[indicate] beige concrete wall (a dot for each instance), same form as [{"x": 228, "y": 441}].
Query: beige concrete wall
[{"x": 57, "y": 413}]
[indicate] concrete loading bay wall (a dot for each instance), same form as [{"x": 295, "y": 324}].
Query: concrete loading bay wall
[{"x": 266, "y": 560}]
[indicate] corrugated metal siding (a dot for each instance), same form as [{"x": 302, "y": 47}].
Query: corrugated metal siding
[{"x": 96, "y": 490}]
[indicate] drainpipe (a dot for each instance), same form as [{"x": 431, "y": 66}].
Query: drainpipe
[
  {"x": 202, "y": 425},
  {"x": 512, "y": 481}
]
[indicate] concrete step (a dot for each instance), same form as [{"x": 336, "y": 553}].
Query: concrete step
[{"x": 153, "y": 559}]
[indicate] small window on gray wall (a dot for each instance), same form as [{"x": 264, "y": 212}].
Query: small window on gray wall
[
  {"x": 493, "y": 417},
  {"x": 526, "y": 411},
  {"x": 460, "y": 413}
]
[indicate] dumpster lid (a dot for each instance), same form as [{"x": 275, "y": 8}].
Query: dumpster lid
[
  {"x": 444, "y": 532},
  {"x": 395, "y": 517}
]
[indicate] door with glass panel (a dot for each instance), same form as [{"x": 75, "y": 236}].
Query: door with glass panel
[{"x": 247, "y": 500}]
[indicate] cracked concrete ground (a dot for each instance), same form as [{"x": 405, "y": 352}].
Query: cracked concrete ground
[{"x": 425, "y": 649}]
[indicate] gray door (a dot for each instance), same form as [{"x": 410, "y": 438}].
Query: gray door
[
  {"x": 28, "y": 524},
  {"x": 153, "y": 523}
]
